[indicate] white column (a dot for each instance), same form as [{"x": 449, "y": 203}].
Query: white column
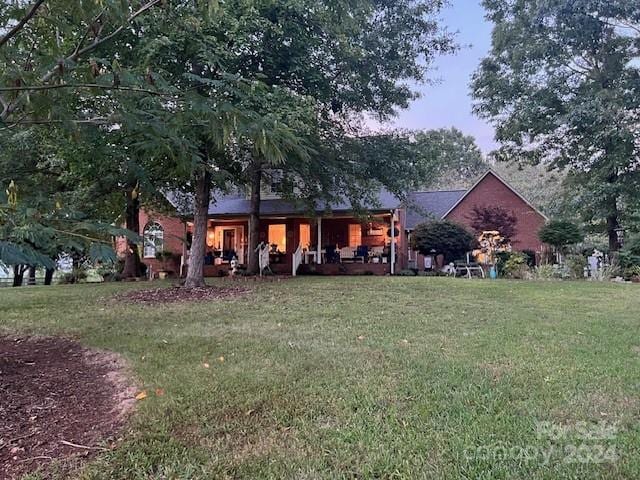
[
  {"x": 393, "y": 242},
  {"x": 319, "y": 246}
]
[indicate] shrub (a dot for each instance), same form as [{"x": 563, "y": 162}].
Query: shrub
[
  {"x": 560, "y": 234},
  {"x": 531, "y": 257},
  {"x": 407, "y": 273},
  {"x": 605, "y": 273},
  {"x": 77, "y": 275},
  {"x": 545, "y": 272},
  {"x": 631, "y": 273},
  {"x": 442, "y": 238},
  {"x": 629, "y": 256},
  {"x": 515, "y": 266},
  {"x": 575, "y": 265}
]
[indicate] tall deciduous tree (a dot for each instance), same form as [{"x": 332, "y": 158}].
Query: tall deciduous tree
[
  {"x": 455, "y": 160},
  {"x": 562, "y": 85}
]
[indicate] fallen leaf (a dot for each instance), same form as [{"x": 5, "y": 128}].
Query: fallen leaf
[
  {"x": 159, "y": 392},
  {"x": 360, "y": 337},
  {"x": 205, "y": 365},
  {"x": 142, "y": 395},
  {"x": 249, "y": 412},
  {"x": 405, "y": 340},
  {"x": 221, "y": 359}
]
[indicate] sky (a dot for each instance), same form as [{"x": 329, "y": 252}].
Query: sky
[{"x": 449, "y": 103}]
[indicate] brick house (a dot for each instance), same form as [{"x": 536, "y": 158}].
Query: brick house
[{"x": 335, "y": 243}]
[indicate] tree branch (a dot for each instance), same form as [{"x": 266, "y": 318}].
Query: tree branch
[
  {"x": 100, "y": 40},
  {"x": 10, "y": 107},
  {"x": 20, "y": 25},
  {"x": 57, "y": 86}
]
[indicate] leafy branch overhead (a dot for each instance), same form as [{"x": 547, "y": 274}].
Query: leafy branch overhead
[{"x": 36, "y": 236}]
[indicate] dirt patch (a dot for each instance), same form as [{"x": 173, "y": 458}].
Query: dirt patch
[
  {"x": 53, "y": 393},
  {"x": 497, "y": 370},
  {"x": 181, "y": 294}
]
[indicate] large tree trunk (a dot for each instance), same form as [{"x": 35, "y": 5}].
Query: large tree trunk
[
  {"x": 132, "y": 263},
  {"x": 18, "y": 275},
  {"x": 195, "y": 272},
  {"x": 32, "y": 275},
  {"x": 612, "y": 227},
  {"x": 254, "y": 217},
  {"x": 48, "y": 276},
  {"x": 613, "y": 215}
]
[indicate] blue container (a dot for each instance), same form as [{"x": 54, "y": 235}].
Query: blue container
[{"x": 493, "y": 274}]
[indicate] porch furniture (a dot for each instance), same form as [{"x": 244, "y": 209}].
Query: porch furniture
[
  {"x": 276, "y": 257},
  {"x": 362, "y": 253},
  {"x": 376, "y": 254},
  {"x": 346, "y": 254},
  {"x": 468, "y": 269},
  {"x": 331, "y": 256},
  {"x": 229, "y": 255},
  {"x": 310, "y": 255}
]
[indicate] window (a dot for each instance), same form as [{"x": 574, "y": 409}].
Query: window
[
  {"x": 153, "y": 236},
  {"x": 305, "y": 235},
  {"x": 355, "y": 235},
  {"x": 278, "y": 237}
]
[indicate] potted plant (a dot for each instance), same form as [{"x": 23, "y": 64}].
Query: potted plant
[{"x": 164, "y": 258}]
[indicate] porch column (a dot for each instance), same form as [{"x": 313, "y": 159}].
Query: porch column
[
  {"x": 393, "y": 242},
  {"x": 319, "y": 245}
]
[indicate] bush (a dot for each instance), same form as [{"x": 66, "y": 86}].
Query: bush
[
  {"x": 442, "y": 238},
  {"x": 631, "y": 273},
  {"x": 629, "y": 256},
  {"x": 575, "y": 265},
  {"x": 545, "y": 272},
  {"x": 531, "y": 257},
  {"x": 77, "y": 275},
  {"x": 407, "y": 273},
  {"x": 515, "y": 266},
  {"x": 560, "y": 234}
]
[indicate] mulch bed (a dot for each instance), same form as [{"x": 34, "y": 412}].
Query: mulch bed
[
  {"x": 53, "y": 391},
  {"x": 181, "y": 294}
]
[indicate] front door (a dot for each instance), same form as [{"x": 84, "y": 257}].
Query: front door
[{"x": 229, "y": 241}]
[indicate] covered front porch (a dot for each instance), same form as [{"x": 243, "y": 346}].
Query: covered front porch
[{"x": 327, "y": 245}]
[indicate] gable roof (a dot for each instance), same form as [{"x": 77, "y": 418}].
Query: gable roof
[
  {"x": 239, "y": 204},
  {"x": 505, "y": 183},
  {"x": 420, "y": 206},
  {"x": 425, "y": 206}
]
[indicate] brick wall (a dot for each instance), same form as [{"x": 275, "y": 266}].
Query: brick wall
[
  {"x": 491, "y": 191},
  {"x": 173, "y": 236}
]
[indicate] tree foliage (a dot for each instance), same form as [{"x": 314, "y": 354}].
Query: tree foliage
[
  {"x": 454, "y": 159},
  {"x": 561, "y": 233},
  {"x": 442, "y": 238},
  {"x": 562, "y": 85},
  {"x": 489, "y": 218}
]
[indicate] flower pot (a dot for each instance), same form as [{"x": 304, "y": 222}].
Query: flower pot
[{"x": 163, "y": 275}]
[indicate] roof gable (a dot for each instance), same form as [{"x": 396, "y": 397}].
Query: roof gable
[{"x": 501, "y": 180}]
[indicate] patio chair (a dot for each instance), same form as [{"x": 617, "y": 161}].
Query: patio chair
[
  {"x": 362, "y": 253},
  {"x": 346, "y": 254},
  {"x": 331, "y": 256}
]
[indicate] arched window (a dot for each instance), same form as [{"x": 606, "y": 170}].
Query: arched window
[{"x": 153, "y": 235}]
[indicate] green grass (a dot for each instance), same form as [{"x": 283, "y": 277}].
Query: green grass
[{"x": 362, "y": 377}]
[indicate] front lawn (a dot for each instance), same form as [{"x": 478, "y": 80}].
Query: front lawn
[{"x": 365, "y": 377}]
